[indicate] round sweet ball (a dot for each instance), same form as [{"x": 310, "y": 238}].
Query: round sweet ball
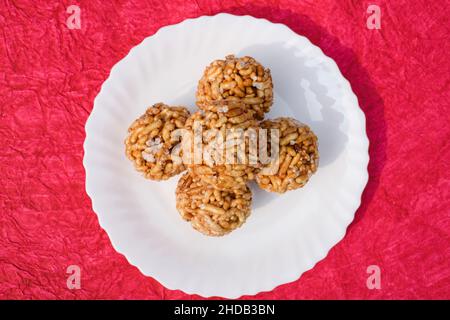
[
  {"x": 150, "y": 141},
  {"x": 297, "y": 160},
  {"x": 219, "y": 155},
  {"x": 233, "y": 79},
  {"x": 211, "y": 211}
]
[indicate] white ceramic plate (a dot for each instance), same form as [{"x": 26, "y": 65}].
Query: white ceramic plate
[{"x": 285, "y": 235}]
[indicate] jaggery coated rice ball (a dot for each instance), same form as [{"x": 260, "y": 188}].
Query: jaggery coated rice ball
[
  {"x": 242, "y": 80},
  {"x": 298, "y": 157},
  {"x": 222, "y": 132},
  {"x": 211, "y": 211},
  {"x": 149, "y": 142}
]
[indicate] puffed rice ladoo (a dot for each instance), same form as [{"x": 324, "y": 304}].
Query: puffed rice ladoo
[
  {"x": 211, "y": 211},
  {"x": 298, "y": 157},
  {"x": 230, "y": 125},
  {"x": 149, "y": 142},
  {"x": 236, "y": 80}
]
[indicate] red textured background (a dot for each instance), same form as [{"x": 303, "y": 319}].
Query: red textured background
[{"x": 49, "y": 76}]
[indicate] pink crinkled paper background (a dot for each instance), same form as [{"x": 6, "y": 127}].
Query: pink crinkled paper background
[{"x": 50, "y": 75}]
